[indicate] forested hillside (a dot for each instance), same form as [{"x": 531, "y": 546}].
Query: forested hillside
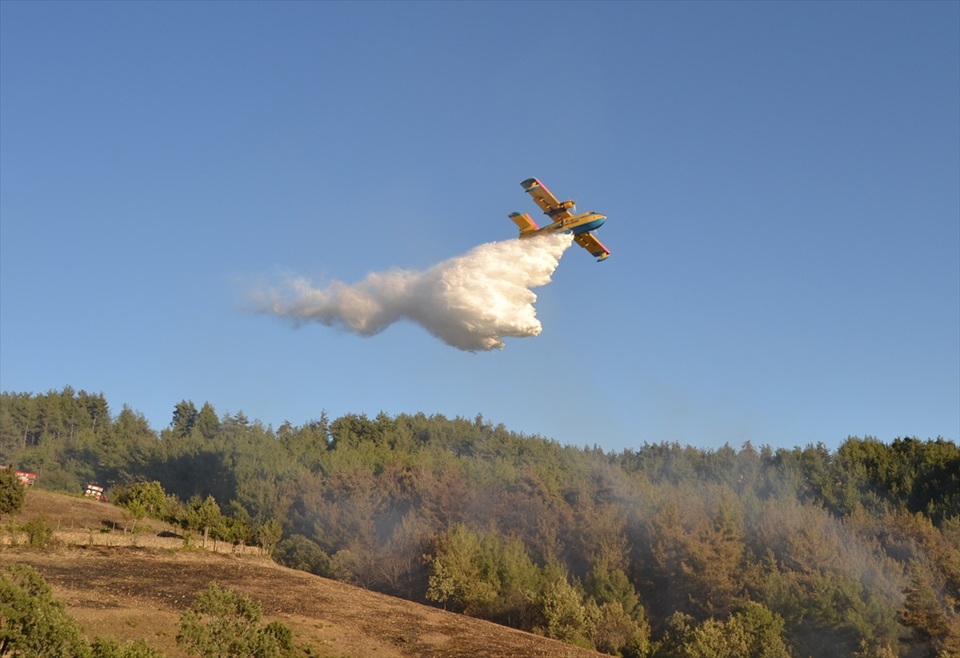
[{"x": 662, "y": 550}]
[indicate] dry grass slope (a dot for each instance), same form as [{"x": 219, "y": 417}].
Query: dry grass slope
[{"x": 132, "y": 586}]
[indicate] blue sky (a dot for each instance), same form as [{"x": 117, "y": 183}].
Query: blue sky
[{"x": 782, "y": 182}]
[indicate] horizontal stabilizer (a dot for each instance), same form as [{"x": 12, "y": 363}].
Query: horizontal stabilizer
[{"x": 524, "y": 222}]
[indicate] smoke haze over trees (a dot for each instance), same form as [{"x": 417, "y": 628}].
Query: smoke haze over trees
[{"x": 662, "y": 550}]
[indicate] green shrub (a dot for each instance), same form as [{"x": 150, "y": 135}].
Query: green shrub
[
  {"x": 223, "y": 624},
  {"x": 39, "y": 532}
]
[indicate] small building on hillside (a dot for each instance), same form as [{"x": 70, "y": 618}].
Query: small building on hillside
[
  {"x": 27, "y": 479},
  {"x": 96, "y": 492}
]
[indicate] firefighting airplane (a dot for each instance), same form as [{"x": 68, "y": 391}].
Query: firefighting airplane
[{"x": 563, "y": 218}]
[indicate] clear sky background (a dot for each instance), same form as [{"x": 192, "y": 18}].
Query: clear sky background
[{"x": 782, "y": 182}]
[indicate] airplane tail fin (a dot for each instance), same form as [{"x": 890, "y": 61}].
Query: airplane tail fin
[{"x": 524, "y": 222}]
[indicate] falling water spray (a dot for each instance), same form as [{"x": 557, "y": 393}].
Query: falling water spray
[{"x": 471, "y": 302}]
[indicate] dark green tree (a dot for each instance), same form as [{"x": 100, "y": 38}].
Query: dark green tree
[
  {"x": 677, "y": 637},
  {"x": 203, "y": 515},
  {"x": 268, "y": 535},
  {"x": 298, "y": 552},
  {"x": 207, "y": 423},
  {"x": 184, "y": 418},
  {"x": 12, "y": 492},
  {"x": 148, "y": 496}
]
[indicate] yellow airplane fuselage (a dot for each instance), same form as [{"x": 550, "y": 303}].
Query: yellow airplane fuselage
[{"x": 581, "y": 223}]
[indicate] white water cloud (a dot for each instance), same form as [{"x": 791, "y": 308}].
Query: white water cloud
[{"x": 471, "y": 302}]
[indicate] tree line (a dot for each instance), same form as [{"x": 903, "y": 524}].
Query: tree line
[{"x": 659, "y": 550}]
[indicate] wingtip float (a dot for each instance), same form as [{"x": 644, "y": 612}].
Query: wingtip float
[{"x": 563, "y": 218}]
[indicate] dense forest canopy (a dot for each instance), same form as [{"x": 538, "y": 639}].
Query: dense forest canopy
[{"x": 661, "y": 550}]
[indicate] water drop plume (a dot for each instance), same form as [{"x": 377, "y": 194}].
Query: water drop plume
[{"x": 471, "y": 302}]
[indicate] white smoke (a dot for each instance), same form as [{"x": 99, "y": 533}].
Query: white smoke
[{"x": 470, "y": 302}]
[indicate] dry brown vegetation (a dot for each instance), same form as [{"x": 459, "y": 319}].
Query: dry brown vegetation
[{"x": 132, "y": 586}]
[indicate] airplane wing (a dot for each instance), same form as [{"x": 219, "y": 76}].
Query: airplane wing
[
  {"x": 591, "y": 244},
  {"x": 551, "y": 207}
]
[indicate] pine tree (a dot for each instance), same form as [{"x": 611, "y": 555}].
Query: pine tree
[{"x": 12, "y": 492}]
